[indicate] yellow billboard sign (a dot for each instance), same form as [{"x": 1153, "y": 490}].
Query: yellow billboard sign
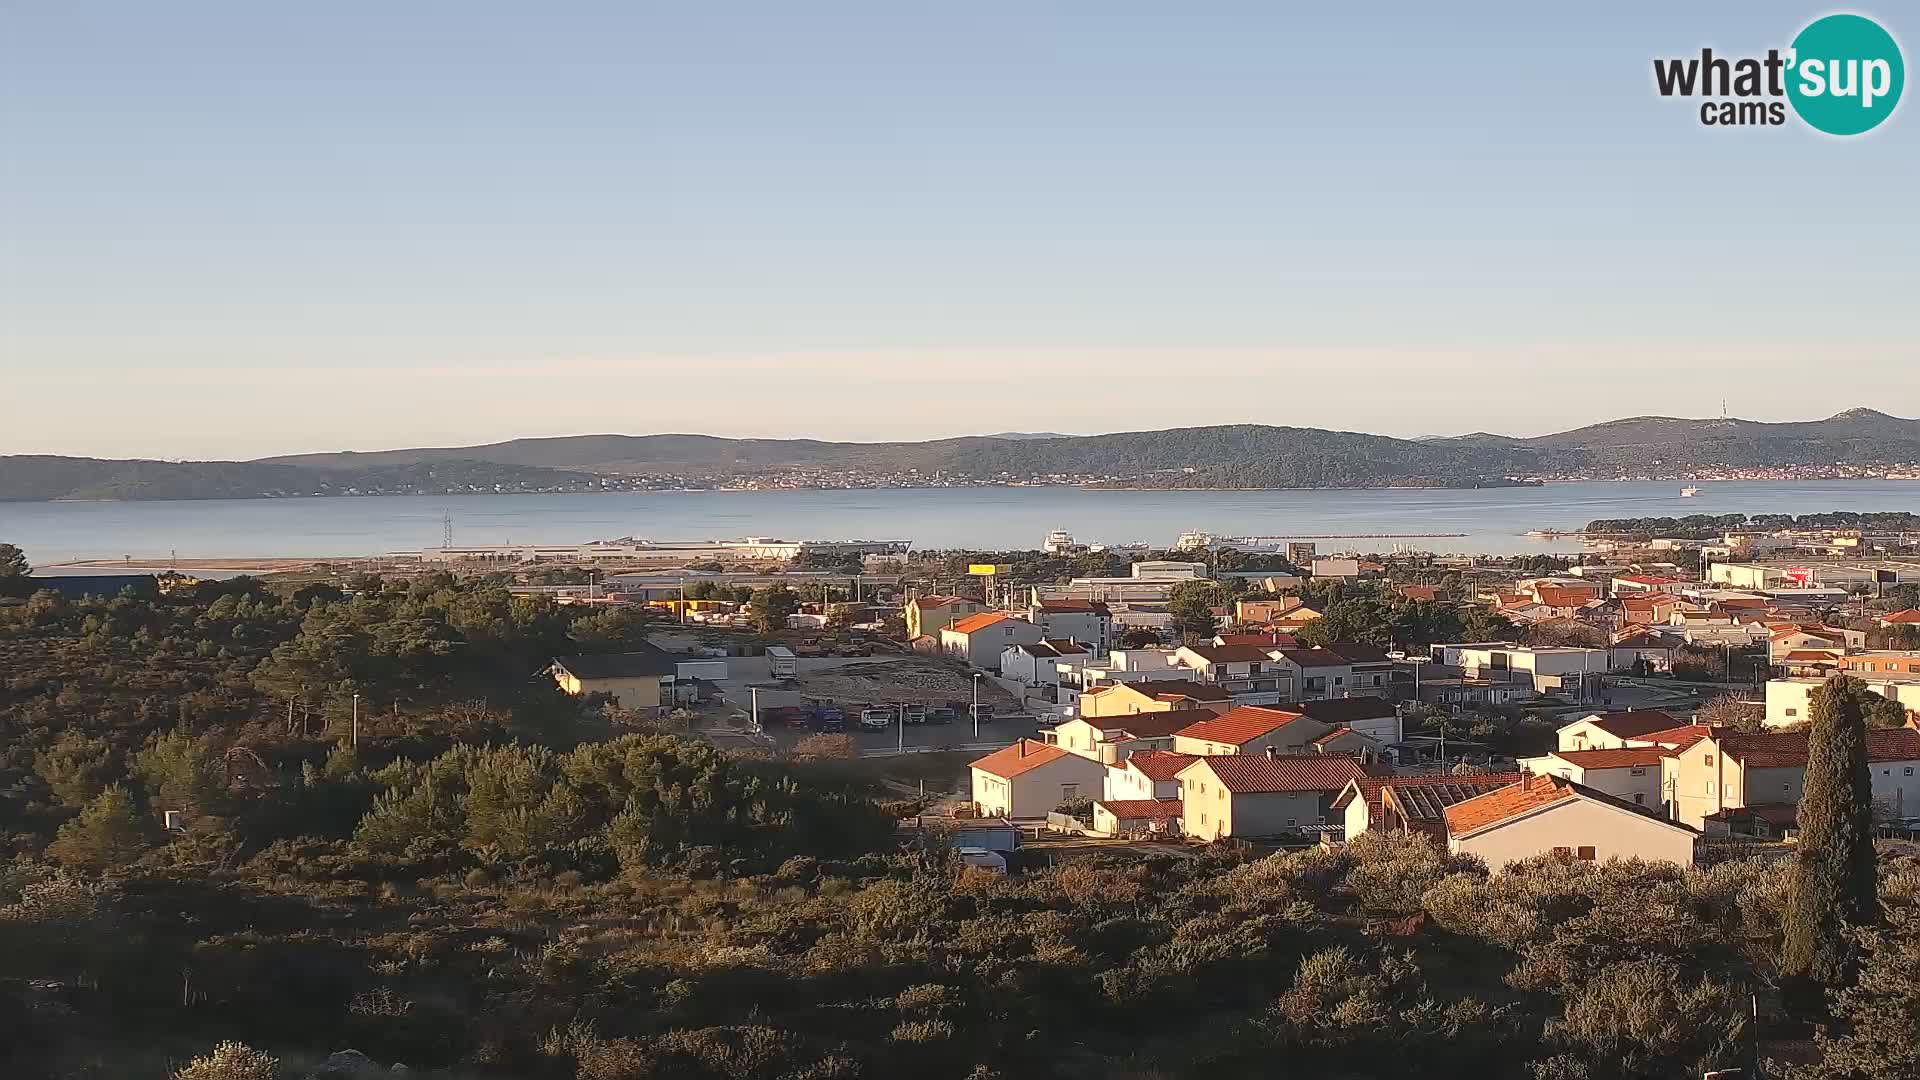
[{"x": 987, "y": 569}]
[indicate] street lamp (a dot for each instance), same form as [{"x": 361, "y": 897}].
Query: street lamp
[
  {"x": 976, "y": 706},
  {"x": 356, "y": 721}
]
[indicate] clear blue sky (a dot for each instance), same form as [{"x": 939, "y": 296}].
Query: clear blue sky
[{"x": 238, "y": 229}]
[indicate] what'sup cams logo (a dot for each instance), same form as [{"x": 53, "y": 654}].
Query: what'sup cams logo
[{"x": 1842, "y": 75}]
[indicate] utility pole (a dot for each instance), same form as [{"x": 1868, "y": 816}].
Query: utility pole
[
  {"x": 976, "y": 706},
  {"x": 755, "y": 692},
  {"x": 900, "y": 730},
  {"x": 356, "y": 722}
]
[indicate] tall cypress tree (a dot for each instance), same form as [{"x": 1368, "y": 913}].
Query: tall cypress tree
[{"x": 1834, "y": 876}]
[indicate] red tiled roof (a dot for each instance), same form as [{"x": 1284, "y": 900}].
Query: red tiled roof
[
  {"x": 1614, "y": 759},
  {"x": 1357, "y": 652},
  {"x": 1141, "y": 809},
  {"x": 1023, "y": 756},
  {"x": 979, "y": 622},
  {"x": 1426, "y": 593},
  {"x": 1507, "y": 802},
  {"x": 1677, "y": 738},
  {"x": 1788, "y": 749},
  {"x": 1239, "y": 726},
  {"x": 1633, "y": 723},
  {"x": 1256, "y": 774},
  {"x": 1312, "y": 658},
  {"x": 1814, "y": 655},
  {"x": 1335, "y": 734},
  {"x": 1562, "y": 596},
  {"x": 1152, "y": 725},
  {"x": 924, "y": 602},
  {"x": 1158, "y": 764},
  {"x": 1909, "y": 616}
]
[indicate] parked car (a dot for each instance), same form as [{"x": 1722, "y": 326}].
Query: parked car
[
  {"x": 876, "y": 719},
  {"x": 916, "y": 714},
  {"x": 985, "y": 712},
  {"x": 941, "y": 716},
  {"x": 830, "y": 718}
]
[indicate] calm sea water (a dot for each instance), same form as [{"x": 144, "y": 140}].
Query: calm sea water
[{"x": 1493, "y": 521}]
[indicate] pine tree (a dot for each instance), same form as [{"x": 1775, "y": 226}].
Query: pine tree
[
  {"x": 109, "y": 833},
  {"x": 1834, "y": 878}
]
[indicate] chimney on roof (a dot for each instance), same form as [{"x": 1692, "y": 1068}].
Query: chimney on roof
[
  {"x": 1023, "y": 748},
  {"x": 1272, "y": 752}
]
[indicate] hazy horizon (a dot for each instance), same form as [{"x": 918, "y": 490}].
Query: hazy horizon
[
  {"x": 234, "y": 231},
  {"x": 1007, "y": 434}
]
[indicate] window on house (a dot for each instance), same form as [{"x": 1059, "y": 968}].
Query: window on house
[
  {"x": 1709, "y": 787},
  {"x": 1790, "y": 712},
  {"x": 1223, "y": 795},
  {"x": 1203, "y": 818},
  {"x": 1640, "y": 798},
  {"x": 1708, "y": 760},
  {"x": 1638, "y": 770},
  {"x": 1908, "y": 771},
  {"x": 1069, "y": 792},
  {"x": 1786, "y": 787},
  {"x": 1586, "y": 854},
  {"x": 1563, "y": 852},
  {"x": 1291, "y": 822}
]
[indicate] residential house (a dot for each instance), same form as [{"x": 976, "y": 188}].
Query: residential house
[
  {"x": 1138, "y": 819},
  {"x": 1317, "y": 673},
  {"x": 1028, "y": 779},
  {"x": 1790, "y": 700},
  {"x": 1613, "y": 730},
  {"x": 1420, "y": 594},
  {"x": 1546, "y": 814},
  {"x": 980, "y": 640},
  {"x": 1630, "y": 774},
  {"x": 642, "y": 680},
  {"x": 1410, "y": 804},
  {"x": 1155, "y": 695},
  {"x": 1146, "y": 774},
  {"x": 1089, "y": 622},
  {"x": 1783, "y": 641},
  {"x": 1263, "y": 794},
  {"x": 1245, "y": 671},
  {"x": 1038, "y": 663},
  {"x": 928, "y": 615},
  {"x": 1811, "y": 663},
  {"x": 1731, "y": 770},
  {"x": 1348, "y": 741},
  {"x": 1250, "y": 729},
  {"x": 1114, "y": 739},
  {"x": 1377, "y": 718},
  {"x": 1549, "y": 670},
  {"x": 1643, "y": 585},
  {"x": 1643, "y": 652},
  {"x": 1884, "y": 664},
  {"x": 1908, "y": 617}
]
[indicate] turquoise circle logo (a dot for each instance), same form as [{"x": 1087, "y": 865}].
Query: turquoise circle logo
[{"x": 1845, "y": 74}]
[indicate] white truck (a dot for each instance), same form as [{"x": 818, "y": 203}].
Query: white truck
[{"x": 780, "y": 662}]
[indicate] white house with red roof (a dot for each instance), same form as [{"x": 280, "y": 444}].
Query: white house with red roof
[
  {"x": 1612, "y": 730},
  {"x": 1147, "y": 774},
  {"x": 1041, "y": 663},
  {"x": 1629, "y": 773},
  {"x": 1089, "y": 622},
  {"x": 1909, "y": 617},
  {"x": 1547, "y": 814},
  {"x": 1115, "y": 738},
  {"x": 981, "y": 639},
  {"x": 926, "y": 616},
  {"x": 1263, "y": 794},
  {"x": 1754, "y": 771},
  {"x": 1251, "y": 729},
  {"x": 1028, "y": 779}
]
